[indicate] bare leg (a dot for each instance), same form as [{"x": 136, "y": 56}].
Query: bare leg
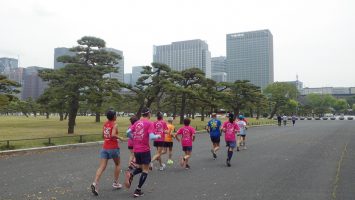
[
  {"x": 100, "y": 170},
  {"x": 117, "y": 169}
]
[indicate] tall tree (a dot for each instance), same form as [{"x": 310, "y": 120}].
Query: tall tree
[
  {"x": 280, "y": 94},
  {"x": 239, "y": 94},
  {"x": 7, "y": 90},
  {"x": 185, "y": 82},
  {"x": 83, "y": 74}
]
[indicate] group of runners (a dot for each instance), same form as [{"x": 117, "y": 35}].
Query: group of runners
[{"x": 141, "y": 131}]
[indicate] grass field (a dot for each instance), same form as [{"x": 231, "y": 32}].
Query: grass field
[{"x": 20, "y": 127}]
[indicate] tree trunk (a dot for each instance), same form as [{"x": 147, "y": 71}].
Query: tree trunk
[
  {"x": 273, "y": 112},
  {"x": 97, "y": 117},
  {"x": 236, "y": 112},
  {"x": 251, "y": 112},
  {"x": 74, "y": 107},
  {"x": 183, "y": 108},
  {"x": 66, "y": 116},
  {"x": 203, "y": 113},
  {"x": 61, "y": 116},
  {"x": 47, "y": 115},
  {"x": 139, "y": 112}
]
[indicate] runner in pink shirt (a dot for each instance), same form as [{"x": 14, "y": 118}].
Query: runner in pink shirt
[
  {"x": 187, "y": 133},
  {"x": 230, "y": 128},
  {"x": 141, "y": 131},
  {"x": 160, "y": 128}
]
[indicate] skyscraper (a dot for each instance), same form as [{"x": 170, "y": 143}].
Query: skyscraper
[
  {"x": 250, "y": 57},
  {"x": 7, "y": 65},
  {"x": 128, "y": 78},
  {"x": 33, "y": 85},
  {"x": 61, "y": 51},
  {"x": 184, "y": 54},
  {"x": 136, "y": 74},
  {"x": 120, "y": 75},
  {"x": 218, "y": 68}
]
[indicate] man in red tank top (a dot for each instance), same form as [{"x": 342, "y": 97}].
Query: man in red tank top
[{"x": 110, "y": 150}]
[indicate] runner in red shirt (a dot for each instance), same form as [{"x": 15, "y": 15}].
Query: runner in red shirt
[{"x": 110, "y": 150}]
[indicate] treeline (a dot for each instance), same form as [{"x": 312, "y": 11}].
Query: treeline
[{"x": 82, "y": 87}]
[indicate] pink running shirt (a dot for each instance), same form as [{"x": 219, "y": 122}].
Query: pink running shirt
[
  {"x": 187, "y": 133},
  {"x": 140, "y": 132},
  {"x": 159, "y": 127},
  {"x": 230, "y": 130}
]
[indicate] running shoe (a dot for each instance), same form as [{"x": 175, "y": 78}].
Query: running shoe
[
  {"x": 128, "y": 179},
  {"x": 213, "y": 154},
  {"x": 187, "y": 166},
  {"x": 170, "y": 162},
  {"x": 228, "y": 163},
  {"x": 116, "y": 185},
  {"x": 237, "y": 148},
  {"x": 162, "y": 167},
  {"x": 138, "y": 193},
  {"x": 94, "y": 189}
]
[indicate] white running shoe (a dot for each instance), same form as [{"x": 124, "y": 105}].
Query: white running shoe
[
  {"x": 162, "y": 167},
  {"x": 116, "y": 185}
]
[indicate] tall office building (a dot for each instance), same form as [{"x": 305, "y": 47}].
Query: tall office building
[
  {"x": 185, "y": 54},
  {"x": 128, "y": 78},
  {"x": 218, "y": 64},
  {"x": 218, "y": 68},
  {"x": 120, "y": 66},
  {"x": 61, "y": 51},
  {"x": 250, "y": 57},
  {"x": 33, "y": 85},
  {"x": 136, "y": 74},
  {"x": 7, "y": 65}
]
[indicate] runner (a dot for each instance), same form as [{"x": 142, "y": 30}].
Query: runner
[
  {"x": 279, "y": 119},
  {"x": 230, "y": 128},
  {"x": 110, "y": 150},
  {"x": 242, "y": 132},
  {"x": 160, "y": 128},
  {"x": 187, "y": 133},
  {"x": 214, "y": 129},
  {"x": 133, "y": 119},
  {"x": 293, "y": 120},
  {"x": 169, "y": 140},
  {"x": 141, "y": 132}
]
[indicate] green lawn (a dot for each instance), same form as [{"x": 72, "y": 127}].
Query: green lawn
[{"x": 20, "y": 127}]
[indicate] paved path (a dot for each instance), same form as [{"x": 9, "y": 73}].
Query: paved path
[{"x": 314, "y": 160}]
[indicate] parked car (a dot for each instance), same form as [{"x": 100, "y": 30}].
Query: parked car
[
  {"x": 325, "y": 118},
  {"x": 341, "y": 118},
  {"x": 317, "y": 118},
  {"x": 332, "y": 118},
  {"x": 350, "y": 118},
  {"x": 302, "y": 118},
  {"x": 309, "y": 118}
]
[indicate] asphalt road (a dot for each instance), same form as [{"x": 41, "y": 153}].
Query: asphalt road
[{"x": 313, "y": 160}]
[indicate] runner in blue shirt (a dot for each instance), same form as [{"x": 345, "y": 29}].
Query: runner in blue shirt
[{"x": 214, "y": 129}]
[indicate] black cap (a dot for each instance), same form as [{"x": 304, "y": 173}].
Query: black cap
[{"x": 145, "y": 111}]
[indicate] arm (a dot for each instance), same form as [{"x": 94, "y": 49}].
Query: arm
[
  {"x": 129, "y": 133},
  {"x": 193, "y": 138},
  {"x": 152, "y": 136}
]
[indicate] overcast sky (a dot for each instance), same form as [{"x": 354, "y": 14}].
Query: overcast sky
[{"x": 312, "y": 38}]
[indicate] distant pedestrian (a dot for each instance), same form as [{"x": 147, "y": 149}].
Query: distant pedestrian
[
  {"x": 242, "y": 131},
  {"x": 230, "y": 128},
  {"x": 160, "y": 128},
  {"x": 187, "y": 133},
  {"x": 110, "y": 150},
  {"x": 293, "y": 120},
  {"x": 214, "y": 129},
  {"x": 284, "y": 119},
  {"x": 141, "y": 132},
  {"x": 279, "y": 119},
  {"x": 169, "y": 141}
]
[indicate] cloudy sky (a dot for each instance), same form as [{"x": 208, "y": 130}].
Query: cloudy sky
[{"x": 312, "y": 38}]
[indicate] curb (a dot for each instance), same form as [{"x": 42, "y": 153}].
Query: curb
[
  {"x": 38, "y": 149},
  {"x": 68, "y": 146}
]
